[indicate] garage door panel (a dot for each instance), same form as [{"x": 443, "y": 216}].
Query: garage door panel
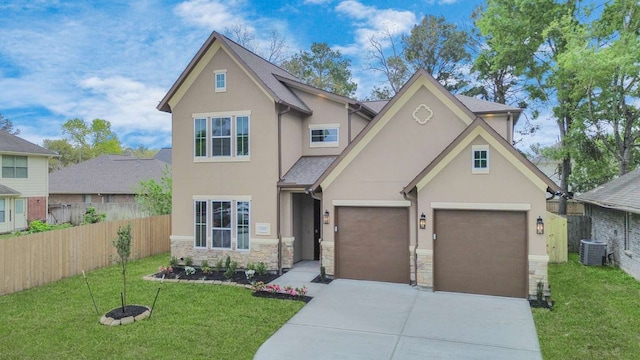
[
  {"x": 481, "y": 252},
  {"x": 372, "y": 244}
]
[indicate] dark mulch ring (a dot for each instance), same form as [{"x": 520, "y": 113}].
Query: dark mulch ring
[
  {"x": 535, "y": 303},
  {"x": 238, "y": 277},
  {"x": 129, "y": 310},
  {"x": 266, "y": 294},
  {"x": 318, "y": 280}
]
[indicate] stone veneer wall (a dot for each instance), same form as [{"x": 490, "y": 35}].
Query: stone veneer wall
[
  {"x": 538, "y": 265},
  {"x": 328, "y": 257},
  {"x": 262, "y": 250},
  {"x": 424, "y": 263}
]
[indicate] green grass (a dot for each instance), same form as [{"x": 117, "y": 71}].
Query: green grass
[
  {"x": 596, "y": 314},
  {"x": 58, "y": 320}
]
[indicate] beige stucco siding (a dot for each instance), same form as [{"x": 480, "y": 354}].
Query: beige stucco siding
[
  {"x": 256, "y": 178},
  {"x": 500, "y": 123},
  {"x": 37, "y": 181},
  {"x": 358, "y": 123},
  {"x": 291, "y": 140},
  {"x": 325, "y": 111},
  {"x": 503, "y": 188}
]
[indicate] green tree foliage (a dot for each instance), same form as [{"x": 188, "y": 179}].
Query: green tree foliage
[
  {"x": 604, "y": 58},
  {"x": 155, "y": 198},
  {"x": 123, "y": 247},
  {"x": 440, "y": 48},
  {"x": 141, "y": 152},
  {"x": 6, "y": 125},
  {"x": 393, "y": 66},
  {"x": 83, "y": 141},
  {"x": 323, "y": 68}
]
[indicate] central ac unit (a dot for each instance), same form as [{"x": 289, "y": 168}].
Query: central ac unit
[{"x": 592, "y": 252}]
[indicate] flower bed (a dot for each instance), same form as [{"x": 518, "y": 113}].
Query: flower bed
[
  {"x": 280, "y": 292},
  {"x": 193, "y": 273}
]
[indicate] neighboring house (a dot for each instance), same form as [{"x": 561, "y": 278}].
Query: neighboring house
[
  {"x": 270, "y": 169},
  {"x": 104, "y": 179},
  {"x": 164, "y": 155},
  {"x": 24, "y": 182},
  {"x": 615, "y": 219}
]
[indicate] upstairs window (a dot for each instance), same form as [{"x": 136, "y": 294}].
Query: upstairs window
[
  {"x": 324, "y": 135},
  {"x": 220, "y": 79},
  {"x": 14, "y": 167},
  {"x": 222, "y": 136},
  {"x": 480, "y": 159}
]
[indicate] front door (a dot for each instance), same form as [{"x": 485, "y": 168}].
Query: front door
[{"x": 20, "y": 215}]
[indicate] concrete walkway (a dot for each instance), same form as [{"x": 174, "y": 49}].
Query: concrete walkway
[
  {"x": 350, "y": 319},
  {"x": 301, "y": 275}
]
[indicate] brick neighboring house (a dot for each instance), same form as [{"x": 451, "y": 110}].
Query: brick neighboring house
[
  {"x": 24, "y": 182},
  {"x": 425, "y": 188},
  {"x": 615, "y": 219},
  {"x": 104, "y": 179}
]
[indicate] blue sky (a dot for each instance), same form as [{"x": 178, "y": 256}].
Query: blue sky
[{"x": 115, "y": 60}]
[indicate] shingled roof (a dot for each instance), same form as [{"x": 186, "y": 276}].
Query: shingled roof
[
  {"x": 15, "y": 145},
  {"x": 307, "y": 170},
  {"x": 622, "y": 193},
  {"x": 106, "y": 174},
  {"x": 5, "y": 190}
]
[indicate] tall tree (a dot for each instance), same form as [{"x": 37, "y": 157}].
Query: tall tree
[
  {"x": 154, "y": 197},
  {"x": 440, "y": 48},
  {"x": 273, "y": 48},
  {"x": 389, "y": 62},
  {"x": 522, "y": 37},
  {"x": 323, "y": 68},
  {"x": 605, "y": 59},
  {"x": 6, "y": 125}
]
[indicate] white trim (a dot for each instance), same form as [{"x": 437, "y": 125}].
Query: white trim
[
  {"x": 181, "y": 238},
  {"x": 222, "y": 197},
  {"x": 372, "y": 203},
  {"x": 480, "y": 170},
  {"x": 221, "y": 159},
  {"x": 215, "y": 80},
  {"x": 480, "y": 206},
  {"x": 541, "y": 258},
  {"x": 324, "y": 126},
  {"x": 221, "y": 114},
  {"x": 321, "y": 144}
]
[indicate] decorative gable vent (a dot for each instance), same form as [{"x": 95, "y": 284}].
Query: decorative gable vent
[{"x": 592, "y": 252}]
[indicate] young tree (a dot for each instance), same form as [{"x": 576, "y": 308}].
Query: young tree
[
  {"x": 323, "y": 68},
  {"x": 155, "y": 198},
  {"x": 440, "y": 48},
  {"x": 6, "y": 125},
  {"x": 123, "y": 247}
]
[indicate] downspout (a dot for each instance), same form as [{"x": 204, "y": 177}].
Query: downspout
[
  {"x": 415, "y": 247},
  {"x": 510, "y": 127},
  {"x": 279, "y": 191},
  {"x": 349, "y": 120}
]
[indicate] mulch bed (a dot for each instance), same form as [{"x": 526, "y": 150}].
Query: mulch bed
[
  {"x": 318, "y": 280},
  {"x": 535, "y": 303},
  {"x": 129, "y": 310},
  {"x": 239, "y": 276},
  {"x": 266, "y": 294}
]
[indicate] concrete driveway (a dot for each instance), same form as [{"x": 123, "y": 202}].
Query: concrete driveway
[{"x": 353, "y": 319}]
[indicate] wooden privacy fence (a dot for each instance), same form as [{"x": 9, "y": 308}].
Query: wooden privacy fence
[
  {"x": 579, "y": 228},
  {"x": 556, "y": 229},
  {"x": 573, "y": 207},
  {"x": 32, "y": 260}
]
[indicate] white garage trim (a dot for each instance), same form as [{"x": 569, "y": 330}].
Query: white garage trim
[
  {"x": 480, "y": 206},
  {"x": 372, "y": 203}
]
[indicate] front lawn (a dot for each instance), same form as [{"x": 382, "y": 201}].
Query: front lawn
[
  {"x": 58, "y": 321},
  {"x": 596, "y": 314}
]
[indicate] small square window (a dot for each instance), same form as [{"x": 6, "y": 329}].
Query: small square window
[
  {"x": 220, "y": 80},
  {"x": 480, "y": 159}
]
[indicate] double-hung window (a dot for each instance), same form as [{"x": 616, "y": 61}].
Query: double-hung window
[
  {"x": 220, "y": 79},
  {"x": 222, "y": 136},
  {"x": 325, "y": 135},
  {"x": 222, "y": 224},
  {"x": 14, "y": 167},
  {"x": 2, "y": 211},
  {"x": 480, "y": 159}
]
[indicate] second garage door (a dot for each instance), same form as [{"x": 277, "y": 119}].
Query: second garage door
[
  {"x": 372, "y": 243},
  {"x": 481, "y": 252}
]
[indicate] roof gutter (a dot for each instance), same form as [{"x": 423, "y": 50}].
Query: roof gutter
[{"x": 279, "y": 189}]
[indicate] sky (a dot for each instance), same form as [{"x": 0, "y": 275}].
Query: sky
[{"x": 115, "y": 60}]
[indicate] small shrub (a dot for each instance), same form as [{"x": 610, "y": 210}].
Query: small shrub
[
  {"x": 173, "y": 261},
  {"x": 92, "y": 217},
  {"x": 227, "y": 262},
  {"x": 188, "y": 261},
  {"x": 219, "y": 265},
  {"x": 323, "y": 274},
  {"x": 206, "y": 270},
  {"x": 261, "y": 269},
  {"x": 204, "y": 264},
  {"x": 231, "y": 270},
  {"x": 251, "y": 266},
  {"x": 165, "y": 270},
  {"x": 249, "y": 274},
  {"x": 37, "y": 226},
  {"x": 189, "y": 270}
]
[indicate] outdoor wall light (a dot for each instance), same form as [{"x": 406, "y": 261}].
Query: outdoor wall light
[
  {"x": 539, "y": 226},
  {"x": 423, "y": 221},
  {"x": 325, "y": 217}
]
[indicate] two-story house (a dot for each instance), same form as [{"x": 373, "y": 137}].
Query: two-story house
[
  {"x": 425, "y": 188},
  {"x": 24, "y": 182}
]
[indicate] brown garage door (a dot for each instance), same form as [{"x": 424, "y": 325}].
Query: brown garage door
[
  {"x": 372, "y": 244},
  {"x": 481, "y": 252}
]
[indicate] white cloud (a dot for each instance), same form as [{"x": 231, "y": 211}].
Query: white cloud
[
  {"x": 317, "y": 2},
  {"x": 212, "y": 14}
]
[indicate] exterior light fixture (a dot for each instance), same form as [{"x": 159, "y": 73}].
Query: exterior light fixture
[
  {"x": 539, "y": 226},
  {"x": 325, "y": 217},
  {"x": 423, "y": 221}
]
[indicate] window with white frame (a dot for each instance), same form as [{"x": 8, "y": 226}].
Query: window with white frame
[
  {"x": 480, "y": 159},
  {"x": 222, "y": 136},
  {"x": 2, "y": 211},
  {"x": 228, "y": 221},
  {"x": 627, "y": 229},
  {"x": 14, "y": 167},
  {"x": 220, "y": 79},
  {"x": 326, "y": 135}
]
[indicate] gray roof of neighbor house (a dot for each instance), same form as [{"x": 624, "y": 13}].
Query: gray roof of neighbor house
[
  {"x": 105, "y": 174},
  {"x": 164, "y": 155},
  {"x": 5, "y": 190},
  {"x": 307, "y": 170},
  {"x": 13, "y": 144},
  {"x": 622, "y": 193}
]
